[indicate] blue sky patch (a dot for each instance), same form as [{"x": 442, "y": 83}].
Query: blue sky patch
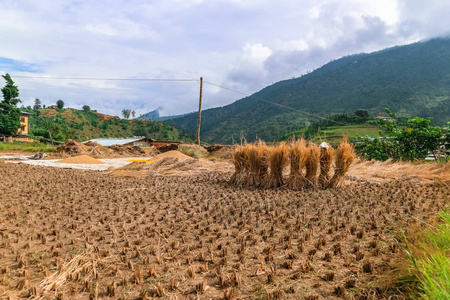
[{"x": 11, "y": 65}]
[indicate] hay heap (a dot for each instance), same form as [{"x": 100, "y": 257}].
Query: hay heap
[
  {"x": 312, "y": 165},
  {"x": 257, "y": 165},
  {"x": 344, "y": 158},
  {"x": 298, "y": 157},
  {"x": 72, "y": 147},
  {"x": 277, "y": 160},
  {"x": 239, "y": 162},
  {"x": 326, "y": 160}
]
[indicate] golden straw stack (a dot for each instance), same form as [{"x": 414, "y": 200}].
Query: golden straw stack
[
  {"x": 264, "y": 151},
  {"x": 239, "y": 162},
  {"x": 312, "y": 165},
  {"x": 252, "y": 165},
  {"x": 343, "y": 160},
  {"x": 277, "y": 161},
  {"x": 298, "y": 157},
  {"x": 326, "y": 159}
]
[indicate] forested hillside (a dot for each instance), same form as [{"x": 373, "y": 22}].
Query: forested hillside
[
  {"x": 84, "y": 125},
  {"x": 413, "y": 80}
]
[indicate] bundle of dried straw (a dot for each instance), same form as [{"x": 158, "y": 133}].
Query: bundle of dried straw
[
  {"x": 326, "y": 159},
  {"x": 239, "y": 163},
  {"x": 298, "y": 157},
  {"x": 344, "y": 158},
  {"x": 277, "y": 160},
  {"x": 312, "y": 165}
]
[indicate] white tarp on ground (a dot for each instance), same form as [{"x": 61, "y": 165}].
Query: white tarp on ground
[
  {"x": 108, "y": 163},
  {"x": 15, "y": 157}
]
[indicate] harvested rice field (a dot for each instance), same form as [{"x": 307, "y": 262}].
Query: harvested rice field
[{"x": 77, "y": 234}]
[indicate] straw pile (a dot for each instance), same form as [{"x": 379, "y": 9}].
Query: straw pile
[
  {"x": 250, "y": 165},
  {"x": 276, "y": 160},
  {"x": 239, "y": 162},
  {"x": 72, "y": 147},
  {"x": 312, "y": 165},
  {"x": 326, "y": 160},
  {"x": 257, "y": 165},
  {"x": 298, "y": 157},
  {"x": 344, "y": 158}
]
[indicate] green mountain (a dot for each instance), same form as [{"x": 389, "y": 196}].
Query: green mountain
[
  {"x": 154, "y": 116},
  {"x": 412, "y": 80},
  {"x": 84, "y": 125}
]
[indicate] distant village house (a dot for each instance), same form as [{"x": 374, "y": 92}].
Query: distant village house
[
  {"x": 24, "y": 123},
  {"x": 381, "y": 117}
]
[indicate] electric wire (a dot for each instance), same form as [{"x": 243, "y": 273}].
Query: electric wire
[
  {"x": 109, "y": 79},
  {"x": 175, "y": 80},
  {"x": 273, "y": 103}
]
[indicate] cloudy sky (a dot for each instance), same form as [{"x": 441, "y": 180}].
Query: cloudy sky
[{"x": 244, "y": 45}]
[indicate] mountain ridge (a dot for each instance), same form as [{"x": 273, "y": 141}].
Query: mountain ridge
[{"x": 412, "y": 79}]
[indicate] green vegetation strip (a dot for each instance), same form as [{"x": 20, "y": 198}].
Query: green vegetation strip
[
  {"x": 434, "y": 265},
  {"x": 29, "y": 147}
]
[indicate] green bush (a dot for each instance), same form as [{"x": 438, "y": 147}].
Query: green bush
[
  {"x": 410, "y": 143},
  {"x": 373, "y": 148}
]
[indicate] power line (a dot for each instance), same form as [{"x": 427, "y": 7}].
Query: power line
[
  {"x": 174, "y": 80},
  {"x": 273, "y": 103},
  {"x": 110, "y": 79}
]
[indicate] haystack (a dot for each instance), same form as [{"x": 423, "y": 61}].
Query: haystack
[
  {"x": 326, "y": 160},
  {"x": 312, "y": 165},
  {"x": 343, "y": 159},
  {"x": 239, "y": 162},
  {"x": 255, "y": 166},
  {"x": 72, "y": 147},
  {"x": 298, "y": 157},
  {"x": 277, "y": 160}
]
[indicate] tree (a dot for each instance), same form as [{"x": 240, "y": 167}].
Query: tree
[
  {"x": 126, "y": 113},
  {"x": 133, "y": 113},
  {"x": 410, "y": 143},
  {"x": 37, "y": 104},
  {"x": 86, "y": 108},
  {"x": 417, "y": 140},
  {"x": 60, "y": 104},
  {"x": 9, "y": 113},
  {"x": 363, "y": 113}
]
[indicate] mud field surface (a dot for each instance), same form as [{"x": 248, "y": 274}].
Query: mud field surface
[{"x": 75, "y": 234}]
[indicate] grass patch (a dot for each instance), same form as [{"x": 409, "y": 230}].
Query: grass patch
[
  {"x": 333, "y": 134},
  {"x": 434, "y": 265},
  {"x": 28, "y": 147},
  {"x": 192, "y": 150}
]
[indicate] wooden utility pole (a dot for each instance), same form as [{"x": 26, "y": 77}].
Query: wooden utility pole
[{"x": 199, "y": 111}]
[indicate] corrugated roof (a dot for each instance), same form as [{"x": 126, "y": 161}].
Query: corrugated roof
[{"x": 115, "y": 141}]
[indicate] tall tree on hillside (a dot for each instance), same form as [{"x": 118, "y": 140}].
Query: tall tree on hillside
[
  {"x": 37, "y": 104},
  {"x": 126, "y": 113},
  {"x": 9, "y": 113},
  {"x": 60, "y": 104},
  {"x": 86, "y": 108},
  {"x": 133, "y": 113}
]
